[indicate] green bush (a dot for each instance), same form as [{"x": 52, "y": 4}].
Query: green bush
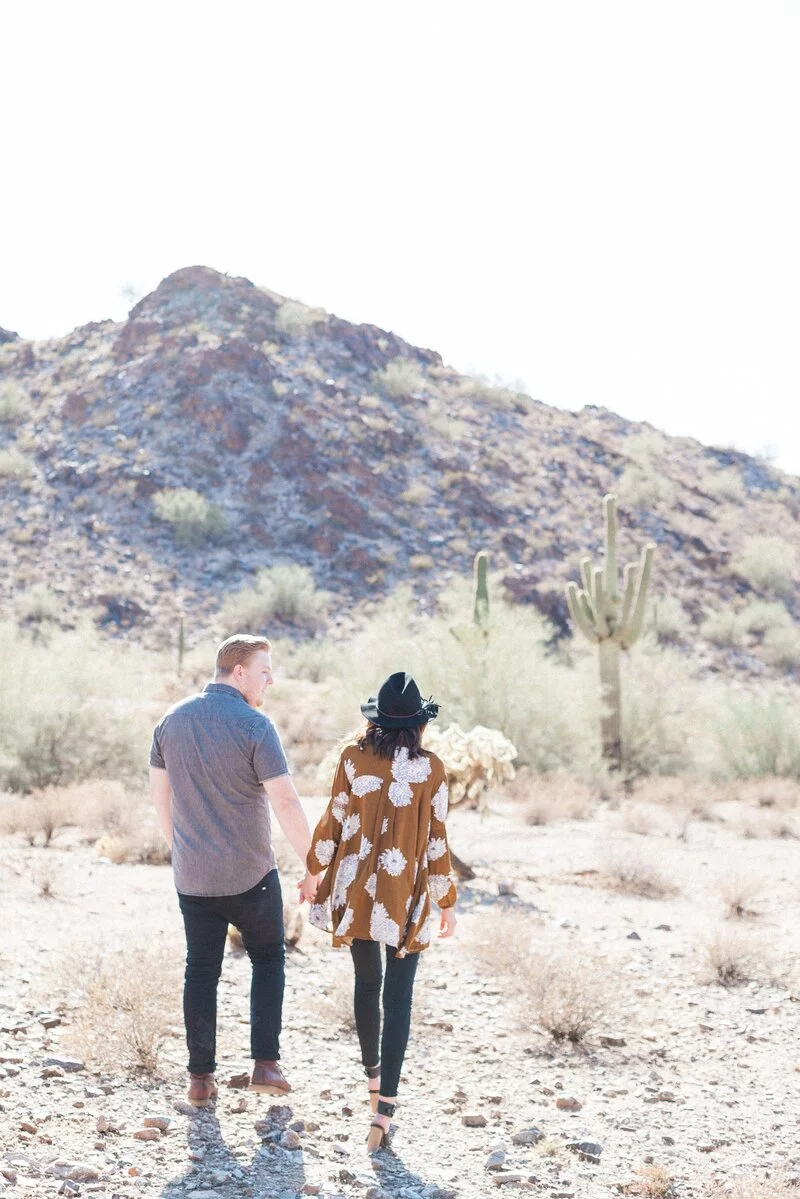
[
  {"x": 285, "y": 593},
  {"x": 726, "y": 484},
  {"x": 782, "y": 647},
  {"x": 400, "y": 378},
  {"x": 70, "y": 709},
  {"x": 768, "y": 564},
  {"x": 14, "y": 464},
  {"x": 668, "y": 620},
  {"x": 193, "y": 519},
  {"x": 13, "y": 402},
  {"x": 724, "y": 628},
  {"x": 297, "y": 320},
  {"x": 759, "y": 735}
]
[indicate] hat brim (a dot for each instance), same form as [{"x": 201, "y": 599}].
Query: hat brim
[{"x": 370, "y": 711}]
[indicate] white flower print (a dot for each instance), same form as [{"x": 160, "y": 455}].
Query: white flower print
[
  {"x": 405, "y": 771},
  {"x": 366, "y": 846},
  {"x": 350, "y": 826},
  {"x": 339, "y": 806},
  {"x": 319, "y": 915},
  {"x": 345, "y": 922},
  {"x": 349, "y": 770},
  {"x": 382, "y": 927},
  {"x": 371, "y": 884},
  {"x": 324, "y": 851},
  {"x": 424, "y": 934},
  {"x": 439, "y": 884},
  {"x": 437, "y": 848},
  {"x": 393, "y": 861},
  {"x": 385, "y": 824},
  {"x": 439, "y": 803},
  {"x": 418, "y": 910},
  {"x": 364, "y": 783},
  {"x": 344, "y": 877}
]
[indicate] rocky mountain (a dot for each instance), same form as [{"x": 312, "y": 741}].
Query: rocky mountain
[{"x": 346, "y": 449}]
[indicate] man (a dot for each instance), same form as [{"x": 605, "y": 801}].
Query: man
[{"x": 212, "y": 759}]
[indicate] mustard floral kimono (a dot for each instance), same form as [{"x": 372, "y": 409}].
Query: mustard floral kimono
[{"x": 382, "y": 843}]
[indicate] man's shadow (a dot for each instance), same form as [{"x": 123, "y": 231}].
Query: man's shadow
[{"x": 271, "y": 1167}]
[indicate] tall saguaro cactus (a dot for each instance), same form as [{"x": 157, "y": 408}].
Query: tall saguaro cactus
[
  {"x": 611, "y": 621},
  {"x": 480, "y": 591}
]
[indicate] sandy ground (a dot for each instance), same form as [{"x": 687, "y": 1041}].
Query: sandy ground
[{"x": 700, "y": 1079}]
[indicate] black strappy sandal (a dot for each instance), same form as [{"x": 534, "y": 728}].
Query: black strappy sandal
[
  {"x": 378, "y": 1137},
  {"x": 374, "y": 1092}
]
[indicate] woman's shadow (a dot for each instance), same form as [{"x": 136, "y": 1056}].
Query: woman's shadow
[{"x": 217, "y": 1167}]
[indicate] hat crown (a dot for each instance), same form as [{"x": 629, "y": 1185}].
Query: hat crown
[{"x": 399, "y": 696}]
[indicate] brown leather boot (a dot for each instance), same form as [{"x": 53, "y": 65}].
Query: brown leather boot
[
  {"x": 202, "y": 1089},
  {"x": 268, "y": 1079}
]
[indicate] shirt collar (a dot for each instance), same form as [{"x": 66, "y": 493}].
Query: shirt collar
[{"x": 223, "y": 689}]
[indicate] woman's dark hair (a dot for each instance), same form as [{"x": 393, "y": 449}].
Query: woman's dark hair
[{"x": 385, "y": 742}]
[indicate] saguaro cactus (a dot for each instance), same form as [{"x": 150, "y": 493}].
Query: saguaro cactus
[
  {"x": 181, "y": 645},
  {"x": 611, "y": 621},
  {"x": 480, "y": 591}
]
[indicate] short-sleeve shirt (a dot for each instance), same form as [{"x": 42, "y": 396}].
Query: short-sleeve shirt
[{"x": 217, "y": 751}]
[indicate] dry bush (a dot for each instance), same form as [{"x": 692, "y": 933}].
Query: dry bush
[
  {"x": 14, "y": 464},
  {"x": 551, "y": 797},
  {"x": 733, "y": 958},
  {"x": 194, "y": 520},
  {"x": 759, "y": 735},
  {"x": 297, "y": 320},
  {"x": 782, "y": 647},
  {"x": 762, "y": 616},
  {"x": 628, "y": 869},
  {"x": 768, "y": 825},
  {"x": 780, "y": 793},
  {"x": 768, "y": 564},
  {"x": 685, "y": 797},
  {"x": 640, "y": 819},
  {"x": 724, "y": 629},
  {"x": 739, "y": 893},
  {"x": 566, "y": 992},
  {"x": 548, "y": 1148},
  {"x": 726, "y": 484},
  {"x": 38, "y": 816},
  {"x": 127, "y": 1001},
  {"x": 400, "y": 378},
  {"x": 652, "y": 1182},
  {"x": 668, "y": 620},
  {"x": 13, "y": 402},
  {"x": 144, "y": 846},
  {"x": 778, "y": 1186},
  {"x": 285, "y": 592},
  {"x": 45, "y": 886}
]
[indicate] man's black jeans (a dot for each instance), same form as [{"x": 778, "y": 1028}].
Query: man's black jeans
[
  {"x": 258, "y": 914},
  {"x": 389, "y": 1048}
]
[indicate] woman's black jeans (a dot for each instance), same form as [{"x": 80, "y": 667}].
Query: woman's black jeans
[
  {"x": 258, "y": 914},
  {"x": 390, "y": 1048}
]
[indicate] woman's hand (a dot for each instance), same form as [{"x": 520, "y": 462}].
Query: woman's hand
[
  {"x": 448, "y": 922},
  {"x": 307, "y": 887}
]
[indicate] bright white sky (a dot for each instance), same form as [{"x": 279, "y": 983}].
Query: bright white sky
[{"x": 600, "y": 199}]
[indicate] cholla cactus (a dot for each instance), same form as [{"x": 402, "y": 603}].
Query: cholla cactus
[
  {"x": 474, "y": 761},
  {"x": 611, "y": 621}
]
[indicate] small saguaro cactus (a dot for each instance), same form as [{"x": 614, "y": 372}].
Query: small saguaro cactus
[
  {"x": 181, "y": 645},
  {"x": 480, "y": 591},
  {"x": 611, "y": 621}
]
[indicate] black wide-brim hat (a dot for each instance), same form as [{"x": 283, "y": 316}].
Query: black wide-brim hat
[{"x": 399, "y": 705}]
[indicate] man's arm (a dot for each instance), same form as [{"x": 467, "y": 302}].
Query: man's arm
[
  {"x": 290, "y": 815},
  {"x": 161, "y": 794}
]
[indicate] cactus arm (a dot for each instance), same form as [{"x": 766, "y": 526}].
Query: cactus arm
[
  {"x": 579, "y": 613},
  {"x": 628, "y": 596},
  {"x": 634, "y": 628},
  {"x": 480, "y": 590},
  {"x": 610, "y": 520},
  {"x": 599, "y": 602},
  {"x": 586, "y": 575}
]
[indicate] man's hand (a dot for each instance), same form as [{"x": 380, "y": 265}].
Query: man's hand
[
  {"x": 448, "y": 922},
  {"x": 307, "y": 887}
]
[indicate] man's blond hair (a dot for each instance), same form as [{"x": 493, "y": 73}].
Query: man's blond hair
[{"x": 238, "y": 650}]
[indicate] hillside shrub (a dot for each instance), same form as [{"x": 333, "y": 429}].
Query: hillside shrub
[
  {"x": 286, "y": 593},
  {"x": 297, "y": 320},
  {"x": 13, "y": 402},
  {"x": 400, "y": 378},
  {"x": 726, "y": 484},
  {"x": 194, "y": 520},
  {"x": 14, "y": 464},
  {"x": 768, "y": 564}
]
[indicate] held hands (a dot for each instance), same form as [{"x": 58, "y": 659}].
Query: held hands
[
  {"x": 307, "y": 887},
  {"x": 448, "y": 922}
]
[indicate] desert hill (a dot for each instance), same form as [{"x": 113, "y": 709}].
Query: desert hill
[{"x": 342, "y": 447}]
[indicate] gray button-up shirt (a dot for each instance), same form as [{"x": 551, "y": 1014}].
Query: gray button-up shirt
[{"x": 217, "y": 751}]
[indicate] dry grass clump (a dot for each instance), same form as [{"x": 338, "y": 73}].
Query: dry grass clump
[
  {"x": 400, "y": 378},
  {"x": 567, "y": 993},
  {"x": 628, "y": 869},
  {"x": 764, "y": 825},
  {"x": 733, "y": 959},
  {"x": 144, "y": 846},
  {"x": 642, "y": 819},
  {"x": 739, "y": 893},
  {"x": 752, "y": 1187},
  {"x": 194, "y": 520},
  {"x": 652, "y": 1182},
  {"x": 551, "y": 797},
  {"x": 768, "y": 564},
  {"x": 38, "y": 816},
  {"x": 781, "y": 793},
  {"x": 686, "y": 797},
  {"x": 127, "y": 1000}
]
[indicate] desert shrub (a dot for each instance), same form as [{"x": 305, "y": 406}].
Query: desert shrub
[
  {"x": 193, "y": 519},
  {"x": 751, "y": 1186},
  {"x": 126, "y": 1001},
  {"x": 759, "y": 735},
  {"x": 660, "y": 708},
  {"x": 723, "y": 628},
  {"x": 739, "y": 893},
  {"x": 37, "y": 605},
  {"x": 39, "y": 815},
  {"x": 13, "y": 402},
  {"x": 726, "y": 484},
  {"x": 668, "y": 620},
  {"x": 732, "y": 959},
  {"x": 90, "y": 720},
  {"x": 652, "y": 1182},
  {"x": 14, "y": 464},
  {"x": 400, "y": 378},
  {"x": 782, "y": 647},
  {"x": 297, "y": 320},
  {"x": 760, "y": 616},
  {"x": 773, "y": 793},
  {"x": 551, "y": 797},
  {"x": 628, "y": 869},
  {"x": 286, "y": 593},
  {"x": 642, "y": 486},
  {"x": 768, "y": 564},
  {"x": 776, "y": 825},
  {"x": 640, "y": 819},
  {"x": 475, "y": 761},
  {"x": 143, "y": 846}
]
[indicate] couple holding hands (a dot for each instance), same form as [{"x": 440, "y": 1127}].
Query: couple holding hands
[{"x": 376, "y": 864}]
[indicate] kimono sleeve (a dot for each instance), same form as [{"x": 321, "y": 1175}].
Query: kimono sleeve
[
  {"x": 442, "y": 887},
  {"x": 328, "y": 832}
]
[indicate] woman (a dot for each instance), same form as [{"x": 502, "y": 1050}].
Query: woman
[{"x": 382, "y": 845}]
